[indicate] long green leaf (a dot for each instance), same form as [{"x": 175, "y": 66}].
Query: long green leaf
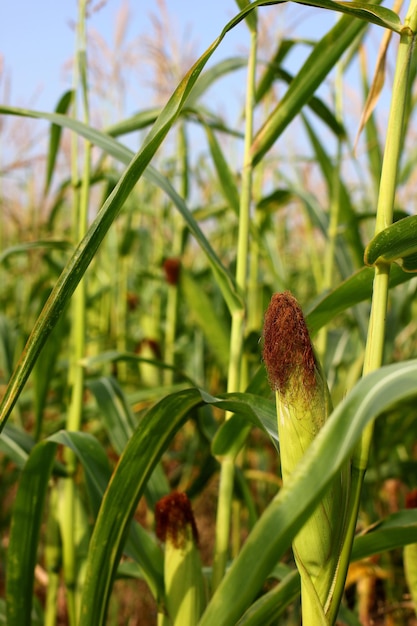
[
  {"x": 225, "y": 175},
  {"x": 320, "y": 62},
  {"x": 55, "y": 138},
  {"x": 120, "y": 423},
  {"x": 271, "y": 605},
  {"x": 353, "y": 290},
  {"x": 24, "y": 533},
  {"x": 284, "y": 517},
  {"x": 396, "y": 531},
  {"x": 127, "y": 485},
  {"x": 349, "y": 220},
  {"x": 140, "y": 545},
  {"x": 364, "y": 11}
]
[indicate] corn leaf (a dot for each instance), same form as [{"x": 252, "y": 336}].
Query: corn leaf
[
  {"x": 353, "y": 290},
  {"x": 320, "y": 62},
  {"x": 55, "y": 138},
  {"x": 204, "y": 316},
  {"x": 396, "y": 531},
  {"x": 395, "y": 243},
  {"x": 24, "y": 533}
]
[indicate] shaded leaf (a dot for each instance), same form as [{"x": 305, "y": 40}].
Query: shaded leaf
[
  {"x": 24, "y": 533},
  {"x": 203, "y": 314},
  {"x": 55, "y": 138},
  {"x": 396, "y": 531}
]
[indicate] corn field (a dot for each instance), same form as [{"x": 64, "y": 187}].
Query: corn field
[{"x": 208, "y": 330}]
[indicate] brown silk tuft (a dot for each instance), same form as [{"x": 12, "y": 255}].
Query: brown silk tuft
[
  {"x": 287, "y": 345},
  {"x": 173, "y": 514}
]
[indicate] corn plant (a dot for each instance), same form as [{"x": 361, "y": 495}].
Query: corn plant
[{"x": 161, "y": 346}]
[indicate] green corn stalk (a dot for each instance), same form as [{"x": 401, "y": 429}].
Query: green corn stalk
[
  {"x": 183, "y": 577},
  {"x": 303, "y": 405}
]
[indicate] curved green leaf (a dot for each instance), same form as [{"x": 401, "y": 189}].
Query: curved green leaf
[
  {"x": 120, "y": 423},
  {"x": 24, "y": 533},
  {"x": 319, "y": 63},
  {"x": 348, "y": 217},
  {"x": 55, "y": 138},
  {"x": 211, "y": 75},
  {"x": 396, "y": 531},
  {"x": 381, "y": 16},
  {"x": 138, "y": 121},
  {"x": 41, "y": 244},
  {"x": 287, "y": 513},
  {"x": 353, "y": 290},
  {"x": 140, "y": 456},
  {"x": 116, "y": 414},
  {"x": 268, "y": 608},
  {"x": 396, "y": 243},
  {"x": 140, "y": 545},
  {"x": 225, "y": 175},
  {"x": 258, "y": 411}
]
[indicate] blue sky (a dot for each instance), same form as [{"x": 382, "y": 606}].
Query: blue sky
[
  {"x": 37, "y": 42},
  {"x": 37, "y": 38}
]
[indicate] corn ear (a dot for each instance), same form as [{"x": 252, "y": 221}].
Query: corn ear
[
  {"x": 184, "y": 583},
  {"x": 410, "y": 555},
  {"x": 303, "y": 405}
]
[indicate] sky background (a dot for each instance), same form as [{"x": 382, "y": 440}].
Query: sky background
[
  {"x": 37, "y": 43},
  {"x": 37, "y": 39}
]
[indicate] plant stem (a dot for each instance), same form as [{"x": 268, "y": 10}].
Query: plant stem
[
  {"x": 392, "y": 154},
  {"x": 236, "y": 337},
  {"x": 76, "y": 374},
  {"x": 332, "y": 233},
  {"x": 177, "y": 245},
  {"x": 376, "y": 330}
]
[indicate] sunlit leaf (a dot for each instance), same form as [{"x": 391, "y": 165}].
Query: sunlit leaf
[{"x": 396, "y": 243}]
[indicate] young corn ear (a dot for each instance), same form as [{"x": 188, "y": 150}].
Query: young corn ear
[
  {"x": 303, "y": 405},
  {"x": 184, "y": 583},
  {"x": 410, "y": 555}
]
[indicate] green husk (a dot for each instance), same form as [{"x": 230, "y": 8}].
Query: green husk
[
  {"x": 184, "y": 583},
  {"x": 303, "y": 405}
]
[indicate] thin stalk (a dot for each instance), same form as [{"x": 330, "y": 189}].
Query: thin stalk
[
  {"x": 392, "y": 154},
  {"x": 121, "y": 310},
  {"x": 332, "y": 233},
  {"x": 173, "y": 288},
  {"x": 376, "y": 330},
  {"x": 52, "y": 560},
  {"x": 76, "y": 374},
  {"x": 223, "y": 520}
]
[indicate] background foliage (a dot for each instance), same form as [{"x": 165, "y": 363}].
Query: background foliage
[{"x": 137, "y": 259}]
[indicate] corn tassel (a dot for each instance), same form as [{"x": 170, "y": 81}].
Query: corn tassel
[{"x": 303, "y": 405}]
